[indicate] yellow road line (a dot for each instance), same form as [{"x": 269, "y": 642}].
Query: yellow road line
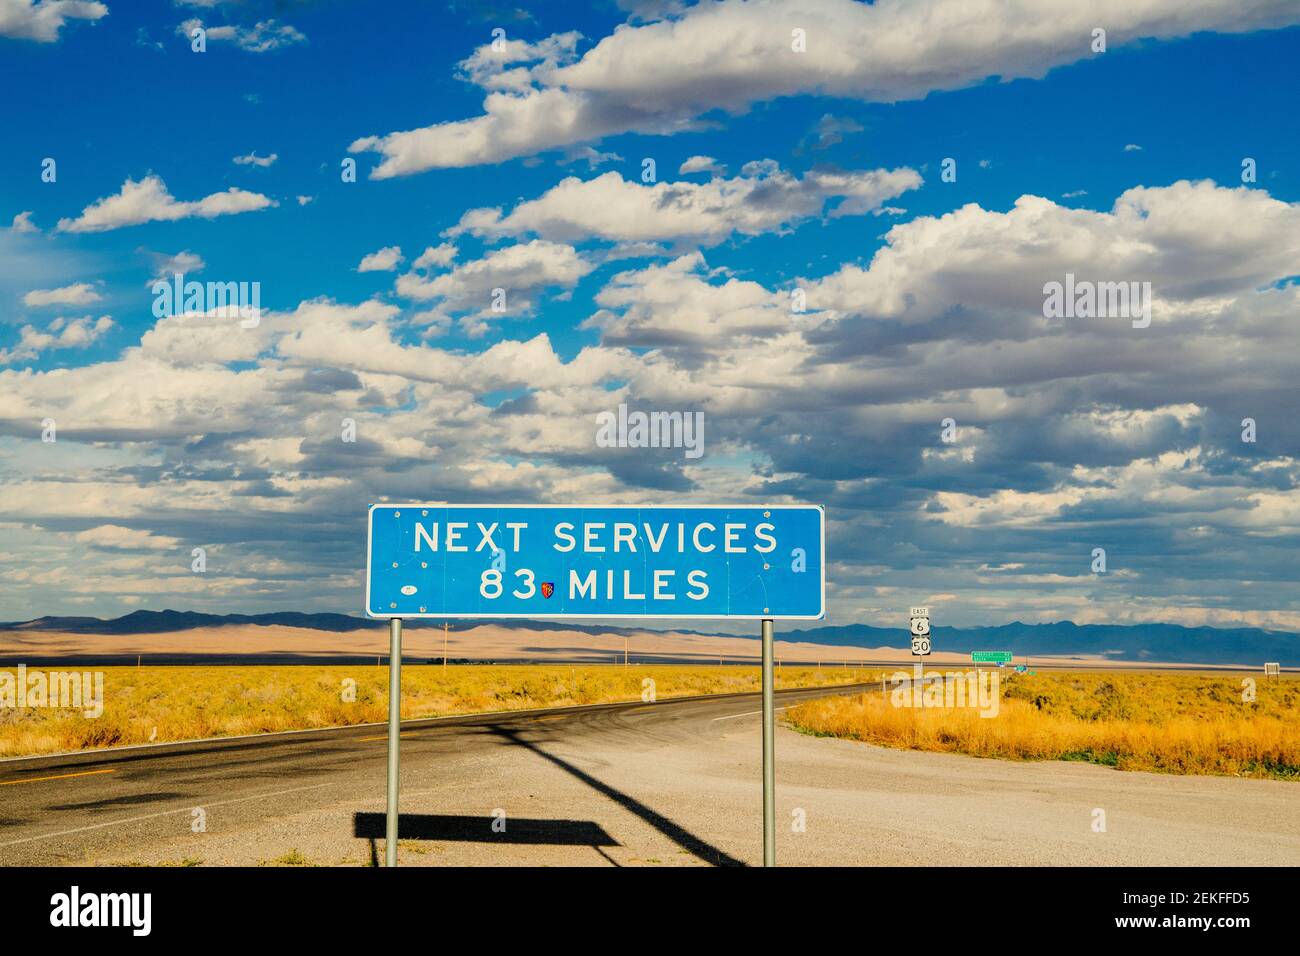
[
  {"x": 57, "y": 776},
  {"x": 381, "y": 737}
]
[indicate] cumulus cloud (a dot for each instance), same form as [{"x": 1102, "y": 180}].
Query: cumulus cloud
[
  {"x": 764, "y": 198},
  {"x": 382, "y": 260},
  {"x": 700, "y": 164},
  {"x": 661, "y": 77},
  {"x": 436, "y": 257},
  {"x": 23, "y": 222},
  {"x": 149, "y": 201},
  {"x": 675, "y": 304},
  {"x": 61, "y": 333},
  {"x": 508, "y": 278},
  {"x": 41, "y": 20},
  {"x": 1191, "y": 240},
  {"x": 80, "y": 293},
  {"x": 205, "y": 338}
]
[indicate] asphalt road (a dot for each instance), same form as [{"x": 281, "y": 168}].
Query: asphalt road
[{"x": 668, "y": 783}]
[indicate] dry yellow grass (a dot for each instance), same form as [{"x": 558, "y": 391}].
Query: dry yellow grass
[
  {"x": 187, "y": 703},
  {"x": 1172, "y": 723}
]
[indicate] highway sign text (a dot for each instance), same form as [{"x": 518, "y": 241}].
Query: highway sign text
[{"x": 541, "y": 561}]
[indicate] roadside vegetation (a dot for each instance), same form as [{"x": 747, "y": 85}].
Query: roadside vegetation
[
  {"x": 1179, "y": 723},
  {"x": 160, "y": 704}
]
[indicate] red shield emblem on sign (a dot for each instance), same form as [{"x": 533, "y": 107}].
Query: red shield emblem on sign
[{"x": 547, "y": 589}]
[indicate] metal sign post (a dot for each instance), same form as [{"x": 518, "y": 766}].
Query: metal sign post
[
  {"x": 394, "y": 726},
  {"x": 769, "y": 750}
]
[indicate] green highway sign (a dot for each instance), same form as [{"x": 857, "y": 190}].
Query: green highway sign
[{"x": 990, "y": 657}]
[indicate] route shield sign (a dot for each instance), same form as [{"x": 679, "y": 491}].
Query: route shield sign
[
  {"x": 920, "y": 627},
  {"x": 542, "y": 561}
]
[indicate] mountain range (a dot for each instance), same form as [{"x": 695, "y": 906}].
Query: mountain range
[{"x": 1172, "y": 643}]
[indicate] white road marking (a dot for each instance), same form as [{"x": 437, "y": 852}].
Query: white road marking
[
  {"x": 747, "y": 714},
  {"x": 164, "y": 813}
]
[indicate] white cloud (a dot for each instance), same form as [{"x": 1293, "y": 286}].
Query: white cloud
[
  {"x": 252, "y": 159},
  {"x": 762, "y": 199},
  {"x": 60, "y": 334},
  {"x": 23, "y": 222},
  {"x": 520, "y": 268},
  {"x": 700, "y": 164},
  {"x": 184, "y": 262},
  {"x": 41, "y": 20},
  {"x": 262, "y": 37},
  {"x": 305, "y": 200},
  {"x": 673, "y": 304},
  {"x": 117, "y": 537},
  {"x": 80, "y": 293},
  {"x": 149, "y": 201},
  {"x": 1190, "y": 240},
  {"x": 495, "y": 69},
  {"x": 439, "y": 256},
  {"x": 520, "y": 271},
  {"x": 661, "y": 77},
  {"x": 383, "y": 260},
  {"x": 211, "y": 338}
]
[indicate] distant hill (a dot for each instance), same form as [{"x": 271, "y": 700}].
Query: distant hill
[
  {"x": 166, "y": 622},
  {"x": 1171, "y": 643}
]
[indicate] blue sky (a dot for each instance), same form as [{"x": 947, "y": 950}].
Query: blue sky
[{"x": 1122, "y": 165}]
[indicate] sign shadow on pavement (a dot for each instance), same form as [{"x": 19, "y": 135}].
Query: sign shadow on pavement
[{"x": 463, "y": 828}]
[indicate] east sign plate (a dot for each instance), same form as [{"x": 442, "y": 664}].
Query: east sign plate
[{"x": 535, "y": 561}]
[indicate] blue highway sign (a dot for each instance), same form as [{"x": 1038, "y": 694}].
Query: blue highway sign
[{"x": 764, "y": 561}]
